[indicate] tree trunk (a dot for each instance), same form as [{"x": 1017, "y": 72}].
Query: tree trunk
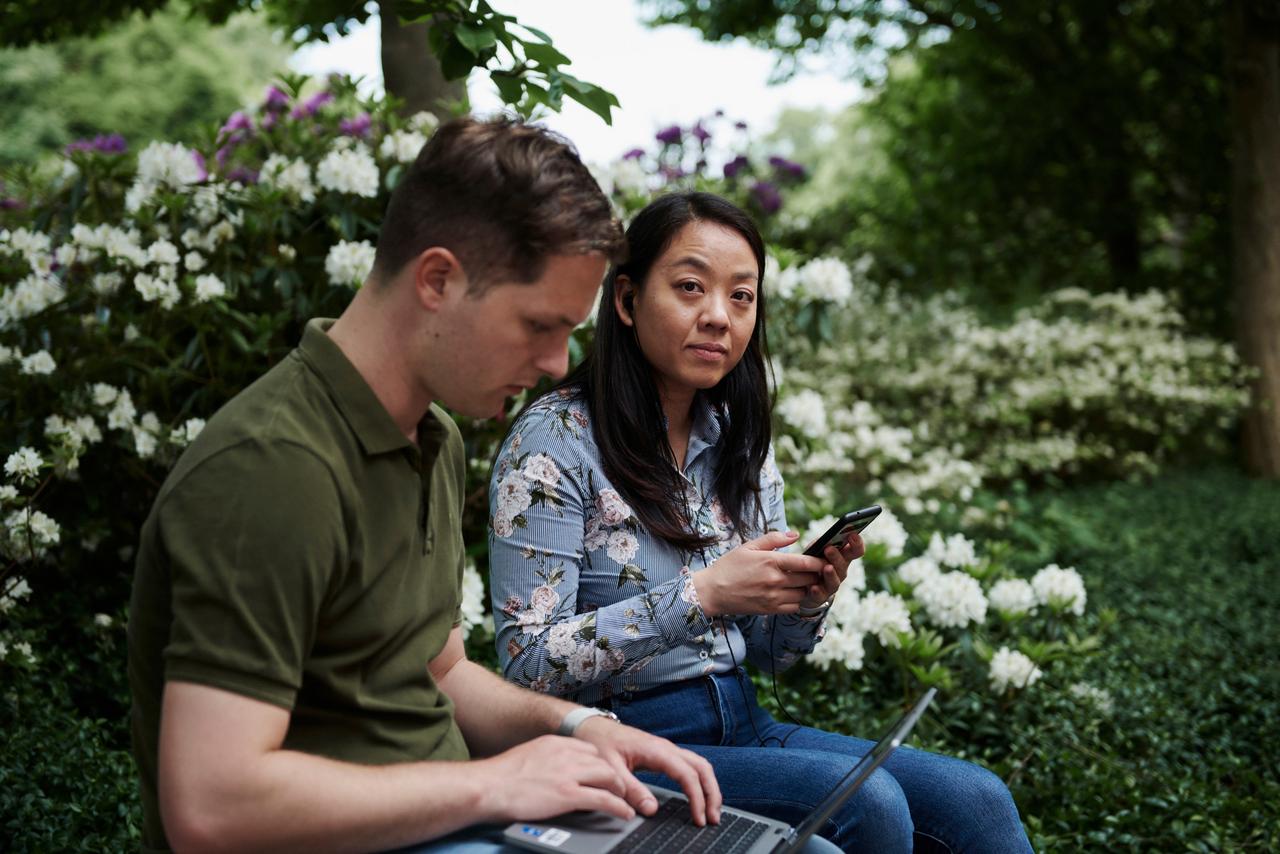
[
  {"x": 1254, "y": 74},
  {"x": 410, "y": 70}
]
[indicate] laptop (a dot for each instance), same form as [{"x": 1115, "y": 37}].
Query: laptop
[{"x": 670, "y": 829}]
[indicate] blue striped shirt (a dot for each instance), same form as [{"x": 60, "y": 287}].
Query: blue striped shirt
[{"x": 587, "y": 603}]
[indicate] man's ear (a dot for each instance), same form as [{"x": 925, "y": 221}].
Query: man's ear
[
  {"x": 624, "y": 299},
  {"x": 437, "y": 272}
]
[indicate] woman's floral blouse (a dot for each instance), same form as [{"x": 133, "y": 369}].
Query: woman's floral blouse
[{"x": 586, "y": 603}]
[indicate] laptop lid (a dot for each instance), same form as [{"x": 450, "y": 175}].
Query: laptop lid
[{"x": 859, "y": 773}]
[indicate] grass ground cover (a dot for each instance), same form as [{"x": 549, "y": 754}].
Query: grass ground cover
[
  {"x": 1169, "y": 738},
  {"x": 1170, "y": 745}
]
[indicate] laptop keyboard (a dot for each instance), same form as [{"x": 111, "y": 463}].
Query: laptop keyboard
[{"x": 671, "y": 830}]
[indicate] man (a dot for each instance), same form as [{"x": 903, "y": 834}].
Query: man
[{"x": 295, "y": 654}]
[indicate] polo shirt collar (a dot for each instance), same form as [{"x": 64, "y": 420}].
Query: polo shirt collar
[{"x": 364, "y": 413}]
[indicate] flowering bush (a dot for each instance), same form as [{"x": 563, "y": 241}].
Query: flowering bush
[
  {"x": 940, "y": 613},
  {"x": 141, "y": 294}
]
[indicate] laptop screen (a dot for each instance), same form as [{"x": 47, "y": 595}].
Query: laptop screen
[{"x": 860, "y": 772}]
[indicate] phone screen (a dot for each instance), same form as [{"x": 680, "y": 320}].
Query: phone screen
[{"x": 854, "y": 521}]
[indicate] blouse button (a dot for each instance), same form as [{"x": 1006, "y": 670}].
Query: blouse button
[{"x": 702, "y": 654}]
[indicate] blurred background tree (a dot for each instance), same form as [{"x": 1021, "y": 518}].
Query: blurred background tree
[
  {"x": 1015, "y": 148},
  {"x": 167, "y": 76}
]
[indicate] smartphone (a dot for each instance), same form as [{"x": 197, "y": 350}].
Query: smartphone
[{"x": 834, "y": 536}]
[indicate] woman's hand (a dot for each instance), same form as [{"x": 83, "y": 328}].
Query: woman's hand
[
  {"x": 755, "y": 578},
  {"x": 834, "y": 573}
]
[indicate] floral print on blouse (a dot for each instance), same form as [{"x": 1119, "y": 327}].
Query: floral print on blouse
[{"x": 586, "y": 603}]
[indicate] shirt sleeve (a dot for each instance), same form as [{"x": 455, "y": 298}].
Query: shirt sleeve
[
  {"x": 251, "y": 559},
  {"x": 541, "y": 505},
  {"x": 776, "y": 641}
]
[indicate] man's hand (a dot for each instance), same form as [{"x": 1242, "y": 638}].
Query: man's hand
[
  {"x": 552, "y": 775},
  {"x": 835, "y": 572},
  {"x": 628, "y": 748}
]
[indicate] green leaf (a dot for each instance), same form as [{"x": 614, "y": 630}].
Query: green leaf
[
  {"x": 510, "y": 86},
  {"x": 475, "y": 39},
  {"x": 456, "y": 61},
  {"x": 544, "y": 54}
]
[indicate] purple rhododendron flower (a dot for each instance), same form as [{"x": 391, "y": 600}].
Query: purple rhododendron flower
[
  {"x": 669, "y": 135},
  {"x": 243, "y": 174},
  {"x": 767, "y": 197},
  {"x": 700, "y": 133},
  {"x": 359, "y": 126},
  {"x": 736, "y": 165},
  {"x": 276, "y": 100},
  {"x": 105, "y": 143},
  {"x": 199, "y": 159},
  {"x": 11, "y": 204},
  {"x": 671, "y": 173},
  {"x": 634, "y": 154},
  {"x": 239, "y": 120},
  {"x": 268, "y": 121},
  {"x": 308, "y": 107},
  {"x": 787, "y": 167}
]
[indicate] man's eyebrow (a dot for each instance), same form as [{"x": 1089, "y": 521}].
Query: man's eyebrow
[{"x": 703, "y": 267}]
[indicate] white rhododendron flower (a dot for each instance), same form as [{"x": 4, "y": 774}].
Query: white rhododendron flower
[
  {"x": 162, "y": 252},
  {"x": 27, "y": 524},
  {"x": 1099, "y": 698},
  {"x": 806, "y": 411},
  {"x": 103, "y": 394},
  {"x": 155, "y": 289},
  {"x": 952, "y": 599},
  {"x": 885, "y": 616},
  {"x": 1013, "y": 596},
  {"x": 103, "y": 621},
  {"x": 30, "y": 296},
  {"x": 39, "y": 363},
  {"x": 187, "y": 433},
  {"x": 1012, "y": 669},
  {"x": 209, "y": 287},
  {"x": 349, "y": 262},
  {"x": 955, "y": 551},
  {"x": 472, "y": 598},
  {"x": 827, "y": 279},
  {"x": 918, "y": 569},
  {"x": 23, "y": 463},
  {"x": 167, "y": 164},
  {"x": 402, "y": 145},
  {"x": 1060, "y": 589},
  {"x": 293, "y": 176},
  {"x": 352, "y": 171},
  {"x": 193, "y": 261},
  {"x": 17, "y": 589},
  {"x": 122, "y": 412},
  {"x": 887, "y": 530}
]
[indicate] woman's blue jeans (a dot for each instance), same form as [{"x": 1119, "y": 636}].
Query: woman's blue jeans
[{"x": 916, "y": 801}]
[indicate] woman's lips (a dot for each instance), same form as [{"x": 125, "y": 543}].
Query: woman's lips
[{"x": 709, "y": 352}]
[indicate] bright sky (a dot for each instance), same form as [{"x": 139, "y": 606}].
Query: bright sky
[{"x": 661, "y": 77}]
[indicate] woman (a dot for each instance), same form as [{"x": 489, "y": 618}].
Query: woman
[{"x": 635, "y": 514}]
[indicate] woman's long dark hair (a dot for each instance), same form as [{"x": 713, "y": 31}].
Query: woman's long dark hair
[{"x": 627, "y": 419}]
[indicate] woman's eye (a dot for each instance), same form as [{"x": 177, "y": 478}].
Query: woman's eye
[
  {"x": 539, "y": 328},
  {"x": 690, "y": 287},
  {"x": 744, "y": 296}
]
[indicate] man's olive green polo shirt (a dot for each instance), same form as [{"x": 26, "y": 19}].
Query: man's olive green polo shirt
[{"x": 304, "y": 553}]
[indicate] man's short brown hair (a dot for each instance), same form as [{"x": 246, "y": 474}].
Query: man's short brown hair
[{"x": 501, "y": 195}]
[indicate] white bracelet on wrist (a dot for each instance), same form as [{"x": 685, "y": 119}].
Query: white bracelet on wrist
[{"x": 578, "y": 717}]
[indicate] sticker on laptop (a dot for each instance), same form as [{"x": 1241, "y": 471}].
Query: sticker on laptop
[{"x": 554, "y": 837}]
